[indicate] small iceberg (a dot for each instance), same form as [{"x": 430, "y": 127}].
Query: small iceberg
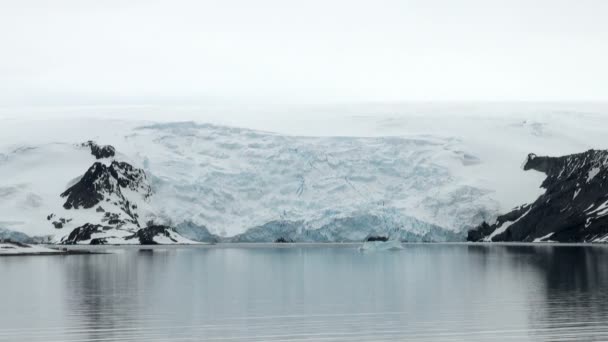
[{"x": 375, "y": 243}]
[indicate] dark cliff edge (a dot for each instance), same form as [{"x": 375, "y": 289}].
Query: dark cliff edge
[
  {"x": 100, "y": 151},
  {"x": 574, "y": 207},
  {"x": 101, "y": 181}
]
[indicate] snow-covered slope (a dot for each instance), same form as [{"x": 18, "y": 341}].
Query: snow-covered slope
[
  {"x": 109, "y": 203},
  {"x": 425, "y": 177}
]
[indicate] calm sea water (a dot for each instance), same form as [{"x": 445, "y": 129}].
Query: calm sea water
[{"x": 421, "y": 293}]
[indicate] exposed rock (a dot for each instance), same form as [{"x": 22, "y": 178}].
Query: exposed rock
[
  {"x": 146, "y": 235},
  {"x": 480, "y": 232},
  {"x": 100, "y": 152},
  {"x": 99, "y": 241},
  {"x": 101, "y": 181},
  {"x": 377, "y": 238},
  {"x": 115, "y": 220},
  {"x": 283, "y": 240},
  {"x": 89, "y": 190},
  {"x": 115, "y": 185},
  {"x": 574, "y": 207},
  {"x": 82, "y": 233},
  {"x": 60, "y": 223}
]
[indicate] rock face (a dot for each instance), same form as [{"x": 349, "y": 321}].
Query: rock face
[
  {"x": 574, "y": 207},
  {"x": 117, "y": 186},
  {"x": 101, "y": 181},
  {"x": 105, "y": 205},
  {"x": 377, "y": 238},
  {"x": 155, "y": 234},
  {"x": 100, "y": 152},
  {"x": 83, "y": 233}
]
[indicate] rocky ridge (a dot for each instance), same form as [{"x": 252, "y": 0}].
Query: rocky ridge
[
  {"x": 105, "y": 205},
  {"x": 574, "y": 207}
]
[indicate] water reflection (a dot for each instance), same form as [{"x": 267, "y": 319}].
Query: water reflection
[
  {"x": 571, "y": 298},
  {"x": 424, "y": 292}
]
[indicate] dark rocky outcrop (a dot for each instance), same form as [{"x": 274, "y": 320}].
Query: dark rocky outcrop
[
  {"x": 480, "y": 232},
  {"x": 114, "y": 219},
  {"x": 83, "y": 233},
  {"x": 99, "y": 241},
  {"x": 59, "y": 223},
  {"x": 146, "y": 235},
  {"x": 100, "y": 151},
  {"x": 118, "y": 185},
  {"x": 574, "y": 207},
  {"x": 89, "y": 190},
  {"x": 101, "y": 181},
  {"x": 377, "y": 238},
  {"x": 283, "y": 240}
]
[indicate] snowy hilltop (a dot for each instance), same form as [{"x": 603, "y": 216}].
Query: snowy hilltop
[
  {"x": 415, "y": 178},
  {"x": 574, "y": 207},
  {"x": 103, "y": 205}
]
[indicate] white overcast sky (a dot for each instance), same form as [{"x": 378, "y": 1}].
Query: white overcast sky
[{"x": 67, "y": 52}]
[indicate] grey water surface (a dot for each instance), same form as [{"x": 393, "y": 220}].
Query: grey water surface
[{"x": 425, "y": 292}]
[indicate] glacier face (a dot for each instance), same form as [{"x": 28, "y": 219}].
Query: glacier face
[
  {"x": 6, "y": 234},
  {"x": 355, "y": 228},
  {"x": 215, "y": 182},
  {"x": 231, "y": 179}
]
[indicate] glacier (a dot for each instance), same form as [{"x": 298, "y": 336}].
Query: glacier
[
  {"x": 230, "y": 179},
  {"x": 419, "y": 178}
]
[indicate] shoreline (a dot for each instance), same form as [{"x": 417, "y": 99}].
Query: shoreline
[
  {"x": 57, "y": 253},
  {"x": 322, "y": 244},
  {"x": 109, "y": 249}
]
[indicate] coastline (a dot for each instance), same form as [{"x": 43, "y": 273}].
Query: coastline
[
  {"x": 49, "y": 249},
  {"x": 320, "y": 245}
]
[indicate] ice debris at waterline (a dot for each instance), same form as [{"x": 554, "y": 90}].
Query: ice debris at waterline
[{"x": 377, "y": 246}]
